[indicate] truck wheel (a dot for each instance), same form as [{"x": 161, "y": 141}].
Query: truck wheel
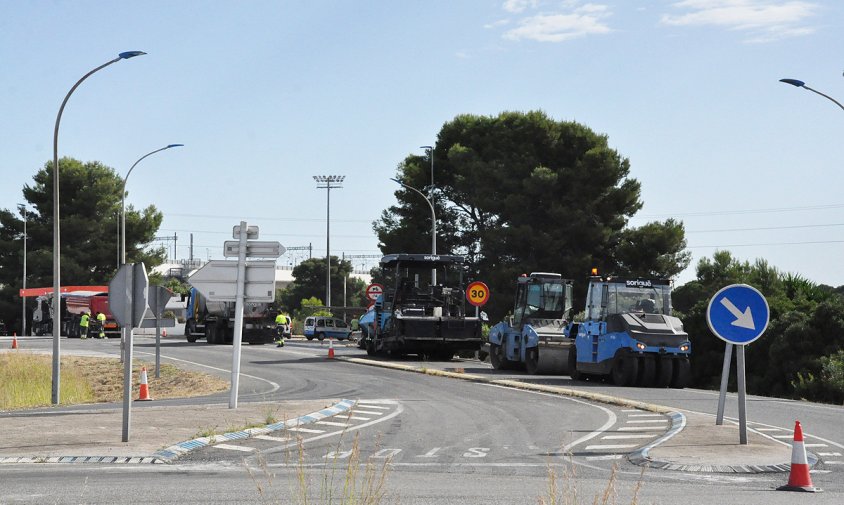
[
  {"x": 532, "y": 360},
  {"x": 682, "y": 373},
  {"x": 370, "y": 348},
  {"x": 310, "y": 337},
  {"x": 647, "y": 372},
  {"x": 320, "y": 336},
  {"x": 573, "y": 372},
  {"x": 664, "y": 371},
  {"x": 191, "y": 339},
  {"x": 624, "y": 370}
]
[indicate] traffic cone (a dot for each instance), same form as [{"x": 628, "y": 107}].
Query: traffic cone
[
  {"x": 14, "y": 340},
  {"x": 144, "y": 393},
  {"x": 330, "y": 348},
  {"x": 163, "y": 332},
  {"x": 799, "y": 478}
]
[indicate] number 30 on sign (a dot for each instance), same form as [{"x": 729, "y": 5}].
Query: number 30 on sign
[{"x": 477, "y": 293}]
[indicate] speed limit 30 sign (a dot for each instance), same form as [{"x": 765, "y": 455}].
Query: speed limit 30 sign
[{"x": 477, "y": 293}]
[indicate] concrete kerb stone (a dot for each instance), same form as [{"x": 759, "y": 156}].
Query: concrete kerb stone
[{"x": 171, "y": 453}]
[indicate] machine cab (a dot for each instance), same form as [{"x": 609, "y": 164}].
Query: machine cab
[
  {"x": 611, "y": 296},
  {"x": 542, "y": 296}
]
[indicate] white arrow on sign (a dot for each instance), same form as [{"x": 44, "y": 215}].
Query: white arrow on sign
[{"x": 743, "y": 319}]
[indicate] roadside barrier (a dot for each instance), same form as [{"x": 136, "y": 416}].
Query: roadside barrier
[
  {"x": 330, "y": 348},
  {"x": 14, "y": 340},
  {"x": 799, "y": 478},
  {"x": 144, "y": 393}
]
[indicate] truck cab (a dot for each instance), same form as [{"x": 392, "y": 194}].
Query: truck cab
[
  {"x": 535, "y": 334},
  {"x": 630, "y": 334}
]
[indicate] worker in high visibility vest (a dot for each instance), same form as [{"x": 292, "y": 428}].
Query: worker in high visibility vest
[
  {"x": 83, "y": 325},
  {"x": 282, "y": 323},
  {"x": 101, "y": 320}
]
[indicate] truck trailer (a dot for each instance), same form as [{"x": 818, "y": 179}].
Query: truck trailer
[
  {"x": 214, "y": 321},
  {"x": 73, "y": 305}
]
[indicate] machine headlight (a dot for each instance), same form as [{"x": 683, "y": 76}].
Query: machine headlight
[
  {"x": 684, "y": 347},
  {"x": 640, "y": 346}
]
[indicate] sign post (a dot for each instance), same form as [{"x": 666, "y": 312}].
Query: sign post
[
  {"x": 738, "y": 314},
  {"x": 239, "y": 282},
  {"x": 158, "y": 298},
  {"x": 127, "y": 299}
]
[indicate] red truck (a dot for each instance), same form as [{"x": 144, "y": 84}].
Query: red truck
[{"x": 74, "y": 303}]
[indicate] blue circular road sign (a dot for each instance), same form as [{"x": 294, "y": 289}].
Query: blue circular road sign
[{"x": 738, "y": 314}]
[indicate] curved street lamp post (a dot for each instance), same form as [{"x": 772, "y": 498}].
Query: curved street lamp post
[
  {"x": 57, "y": 329},
  {"x": 123, "y": 201},
  {"x": 433, "y": 225},
  {"x": 800, "y": 84}
]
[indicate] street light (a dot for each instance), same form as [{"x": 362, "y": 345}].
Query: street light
[
  {"x": 56, "y": 241},
  {"x": 800, "y": 84},
  {"x": 328, "y": 182},
  {"x": 123, "y": 202},
  {"x": 431, "y": 153},
  {"x": 22, "y": 209},
  {"x": 433, "y": 226}
]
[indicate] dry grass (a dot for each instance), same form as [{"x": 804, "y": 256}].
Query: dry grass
[{"x": 27, "y": 380}]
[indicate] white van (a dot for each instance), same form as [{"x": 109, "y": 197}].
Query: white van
[{"x": 320, "y": 327}]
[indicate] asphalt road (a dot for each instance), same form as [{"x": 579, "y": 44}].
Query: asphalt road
[{"x": 446, "y": 441}]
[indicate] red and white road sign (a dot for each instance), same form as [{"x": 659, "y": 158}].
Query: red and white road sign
[
  {"x": 374, "y": 290},
  {"x": 477, "y": 293}
]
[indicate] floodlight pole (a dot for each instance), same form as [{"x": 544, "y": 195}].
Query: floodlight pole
[{"x": 328, "y": 182}]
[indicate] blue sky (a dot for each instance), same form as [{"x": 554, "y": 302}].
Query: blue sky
[{"x": 264, "y": 95}]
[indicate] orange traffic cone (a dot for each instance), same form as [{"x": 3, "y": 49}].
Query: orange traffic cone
[
  {"x": 330, "y": 348},
  {"x": 14, "y": 340},
  {"x": 163, "y": 332},
  {"x": 799, "y": 478},
  {"x": 144, "y": 393}
]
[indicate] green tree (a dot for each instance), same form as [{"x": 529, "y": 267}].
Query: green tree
[
  {"x": 520, "y": 192},
  {"x": 90, "y": 203},
  {"x": 310, "y": 282}
]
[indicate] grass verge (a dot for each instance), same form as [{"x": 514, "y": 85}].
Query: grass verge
[{"x": 27, "y": 380}]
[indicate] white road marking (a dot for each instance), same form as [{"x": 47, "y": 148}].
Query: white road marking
[
  {"x": 651, "y": 421},
  {"x": 332, "y": 423},
  {"x": 234, "y": 448},
  {"x": 357, "y": 418},
  {"x": 609, "y": 447},
  {"x": 376, "y": 404},
  {"x": 630, "y": 410},
  {"x": 272, "y": 439},
  {"x": 639, "y": 428},
  {"x": 783, "y": 436},
  {"x": 834, "y": 462},
  {"x": 430, "y": 454},
  {"x": 829, "y": 454},
  {"x": 305, "y": 430},
  {"x": 768, "y": 429},
  {"x": 608, "y": 456},
  {"x": 631, "y": 435},
  {"x": 815, "y": 445},
  {"x": 368, "y": 412},
  {"x": 645, "y": 415},
  {"x": 385, "y": 453},
  {"x": 476, "y": 452},
  {"x": 275, "y": 386}
]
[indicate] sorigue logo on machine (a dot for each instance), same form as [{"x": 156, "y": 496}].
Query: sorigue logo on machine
[
  {"x": 432, "y": 258},
  {"x": 639, "y": 283}
]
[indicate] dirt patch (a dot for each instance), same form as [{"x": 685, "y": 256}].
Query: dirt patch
[{"x": 105, "y": 376}]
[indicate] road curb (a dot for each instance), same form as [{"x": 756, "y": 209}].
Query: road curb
[{"x": 173, "y": 452}]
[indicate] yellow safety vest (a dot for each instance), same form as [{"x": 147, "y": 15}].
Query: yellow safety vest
[{"x": 84, "y": 321}]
